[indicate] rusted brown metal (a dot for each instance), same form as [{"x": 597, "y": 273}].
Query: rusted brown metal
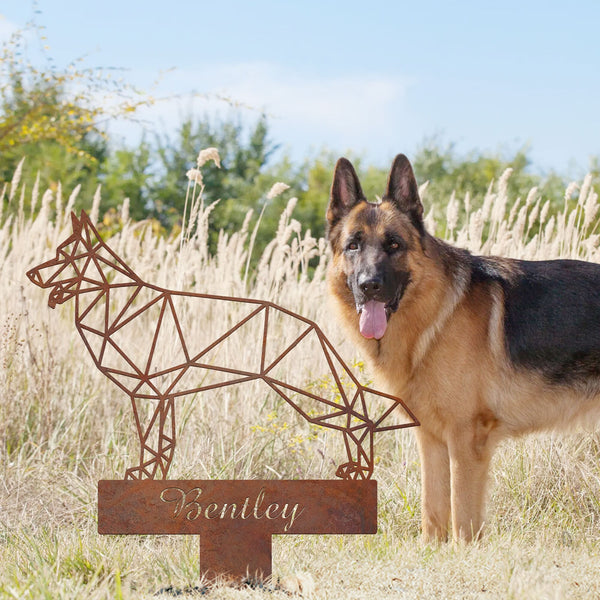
[
  {"x": 109, "y": 297},
  {"x": 236, "y": 519}
]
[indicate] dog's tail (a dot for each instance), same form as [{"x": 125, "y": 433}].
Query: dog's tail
[{"x": 380, "y": 406}]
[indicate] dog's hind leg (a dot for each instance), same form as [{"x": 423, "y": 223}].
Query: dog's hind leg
[
  {"x": 359, "y": 449},
  {"x": 435, "y": 483},
  {"x": 156, "y": 433}
]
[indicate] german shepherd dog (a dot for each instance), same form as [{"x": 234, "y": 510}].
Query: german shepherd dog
[{"x": 480, "y": 348}]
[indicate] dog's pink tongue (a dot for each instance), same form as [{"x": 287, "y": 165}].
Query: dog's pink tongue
[{"x": 373, "y": 320}]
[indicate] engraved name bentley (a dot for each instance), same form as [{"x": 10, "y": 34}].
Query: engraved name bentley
[{"x": 189, "y": 505}]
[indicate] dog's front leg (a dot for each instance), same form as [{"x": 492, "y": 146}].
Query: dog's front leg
[
  {"x": 155, "y": 425},
  {"x": 435, "y": 486},
  {"x": 470, "y": 454}
]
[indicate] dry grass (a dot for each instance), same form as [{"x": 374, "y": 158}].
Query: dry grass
[{"x": 64, "y": 426}]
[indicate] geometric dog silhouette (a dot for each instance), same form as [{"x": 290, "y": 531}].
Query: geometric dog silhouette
[{"x": 159, "y": 363}]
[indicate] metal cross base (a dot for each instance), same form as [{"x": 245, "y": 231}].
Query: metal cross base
[{"x": 236, "y": 519}]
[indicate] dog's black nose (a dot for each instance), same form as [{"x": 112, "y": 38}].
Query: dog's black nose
[{"x": 371, "y": 287}]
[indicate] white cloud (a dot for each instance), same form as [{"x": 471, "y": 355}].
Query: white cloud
[
  {"x": 334, "y": 103},
  {"x": 305, "y": 110}
]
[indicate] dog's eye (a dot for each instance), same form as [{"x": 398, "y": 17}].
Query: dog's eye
[
  {"x": 352, "y": 246},
  {"x": 393, "y": 245}
]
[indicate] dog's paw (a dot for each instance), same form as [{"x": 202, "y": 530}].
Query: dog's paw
[{"x": 300, "y": 584}]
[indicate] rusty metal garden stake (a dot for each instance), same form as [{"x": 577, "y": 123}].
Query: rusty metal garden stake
[{"x": 109, "y": 297}]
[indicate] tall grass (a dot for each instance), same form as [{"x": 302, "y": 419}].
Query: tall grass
[{"x": 63, "y": 426}]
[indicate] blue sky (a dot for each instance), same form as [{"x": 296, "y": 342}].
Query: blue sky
[{"x": 372, "y": 78}]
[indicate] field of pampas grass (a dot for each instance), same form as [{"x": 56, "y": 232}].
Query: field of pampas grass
[{"x": 64, "y": 426}]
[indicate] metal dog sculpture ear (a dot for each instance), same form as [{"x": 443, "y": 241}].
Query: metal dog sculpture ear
[{"x": 110, "y": 297}]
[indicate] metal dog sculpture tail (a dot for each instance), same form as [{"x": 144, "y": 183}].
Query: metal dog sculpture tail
[{"x": 138, "y": 336}]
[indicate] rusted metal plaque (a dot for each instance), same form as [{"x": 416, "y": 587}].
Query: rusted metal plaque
[{"x": 236, "y": 519}]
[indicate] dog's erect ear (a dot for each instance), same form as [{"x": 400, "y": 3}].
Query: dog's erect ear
[
  {"x": 403, "y": 191},
  {"x": 75, "y": 222},
  {"x": 345, "y": 192},
  {"x": 89, "y": 227}
]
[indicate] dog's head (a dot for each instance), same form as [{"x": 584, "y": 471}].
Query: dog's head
[
  {"x": 371, "y": 242},
  {"x": 63, "y": 273}
]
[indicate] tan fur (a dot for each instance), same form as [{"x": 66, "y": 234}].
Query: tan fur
[{"x": 443, "y": 353}]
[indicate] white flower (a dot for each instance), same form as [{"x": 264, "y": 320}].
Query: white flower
[
  {"x": 583, "y": 192},
  {"x": 544, "y": 212},
  {"x": 209, "y": 154},
  {"x": 452, "y": 213},
  {"x": 195, "y": 175},
  {"x": 277, "y": 189},
  {"x": 570, "y": 190},
  {"x": 533, "y": 215},
  {"x": 531, "y": 196},
  {"x": 125, "y": 211}
]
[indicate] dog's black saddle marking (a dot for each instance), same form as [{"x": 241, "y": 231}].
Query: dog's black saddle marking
[{"x": 552, "y": 318}]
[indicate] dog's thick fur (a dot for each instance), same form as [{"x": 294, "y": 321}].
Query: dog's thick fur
[{"x": 480, "y": 348}]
